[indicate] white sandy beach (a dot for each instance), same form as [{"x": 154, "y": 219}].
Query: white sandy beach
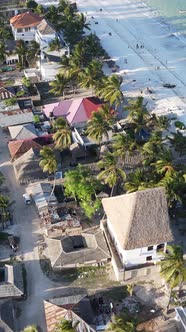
[{"x": 161, "y": 60}]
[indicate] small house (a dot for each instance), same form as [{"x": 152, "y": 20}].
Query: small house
[
  {"x": 88, "y": 248},
  {"x": 11, "y": 282},
  {"x": 26, "y": 167},
  {"x": 77, "y": 111},
  {"x": 76, "y": 308}
]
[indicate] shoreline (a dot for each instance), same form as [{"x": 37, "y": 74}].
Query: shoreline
[{"x": 123, "y": 27}]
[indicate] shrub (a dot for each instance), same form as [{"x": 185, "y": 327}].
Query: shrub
[{"x": 179, "y": 125}]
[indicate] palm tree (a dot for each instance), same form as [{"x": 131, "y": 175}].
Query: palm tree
[
  {"x": 164, "y": 163},
  {"x": 48, "y": 164},
  {"x": 59, "y": 85},
  {"x": 174, "y": 184},
  {"x": 55, "y": 45},
  {"x": 178, "y": 141},
  {"x": 159, "y": 122},
  {"x": 111, "y": 173},
  {"x": 173, "y": 268},
  {"x": 81, "y": 18},
  {"x": 138, "y": 180},
  {"x": 65, "y": 326},
  {"x": 63, "y": 135},
  {"x": 120, "y": 324},
  {"x": 40, "y": 10},
  {"x": 33, "y": 50},
  {"x": 30, "y": 328},
  {"x": 97, "y": 127},
  {"x": 111, "y": 90},
  {"x": 123, "y": 143},
  {"x": 53, "y": 15},
  {"x": 91, "y": 74},
  {"x": 138, "y": 115},
  {"x": 21, "y": 50},
  {"x": 153, "y": 148},
  {"x": 4, "y": 204},
  {"x": 2, "y": 52}
]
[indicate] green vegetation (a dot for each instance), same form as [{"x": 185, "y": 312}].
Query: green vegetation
[
  {"x": 10, "y": 102},
  {"x": 31, "y": 4},
  {"x": 179, "y": 125},
  {"x": 66, "y": 326},
  {"x": 55, "y": 45},
  {"x": 112, "y": 173},
  {"x": 59, "y": 85},
  {"x": 2, "y": 52},
  {"x": 48, "y": 162},
  {"x": 20, "y": 93},
  {"x": 26, "y": 82},
  {"x": 82, "y": 186},
  {"x": 36, "y": 118},
  {"x": 30, "y": 328},
  {"x": 63, "y": 135},
  {"x": 4, "y": 209},
  {"x": 120, "y": 324},
  {"x": 173, "y": 268},
  {"x": 3, "y": 236}
]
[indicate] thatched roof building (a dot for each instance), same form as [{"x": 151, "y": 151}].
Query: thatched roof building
[
  {"x": 27, "y": 167},
  {"x": 139, "y": 219}
]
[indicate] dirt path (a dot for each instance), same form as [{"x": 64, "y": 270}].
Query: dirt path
[{"x": 39, "y": 287}]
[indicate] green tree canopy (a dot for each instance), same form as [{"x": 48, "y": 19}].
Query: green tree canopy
[
  {"x": 80, "y": 184},
  {"x": 31, "y": 4},
  {"x": 59, "y": 85},
  {"x": 120, "y": 324},
  {"x": 65, "y": 326},
  {"x": 111, "y": 172},
  {"x": 173, "y": 268},
  {"x": 48, "y": 161},
  {"x": 63, "y": 135}
]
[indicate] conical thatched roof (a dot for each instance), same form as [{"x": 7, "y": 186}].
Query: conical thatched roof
[{"x": 139, "y": 219}]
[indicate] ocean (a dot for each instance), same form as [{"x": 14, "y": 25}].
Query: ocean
[{"x": 173, "y": 12}]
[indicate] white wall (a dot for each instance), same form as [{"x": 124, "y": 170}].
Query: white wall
[
  {"x": 136, "y": 256},
  {"x": 44, "y": 40},
  {"x": 11, "y": 58},
  {"x": 49, "y": 70},
  {"x": 24, "y": 35}
]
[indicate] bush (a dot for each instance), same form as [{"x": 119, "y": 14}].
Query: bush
[
  {"x": 11, "y": 101},
  {"x": 179, "y": 125},
  {"x": 4, "y": 236},
  {"x": 20, "y": 93},
  {"x": 31, "y": 4}
]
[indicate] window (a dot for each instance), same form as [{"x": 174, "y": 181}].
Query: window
[
  {"x": 27, "y": 29},
  {"x": 19, "y": 30},
  {"x": 149, "y": 258},
  {"x": 150, "y": 248},
  {"x": 160, "y": 247}
]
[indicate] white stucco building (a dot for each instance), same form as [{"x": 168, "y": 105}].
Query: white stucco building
[
  {"x": 44, "y": 33},
  {"x": 24, "y": 26},
  {"x": 138, "y": 225}
]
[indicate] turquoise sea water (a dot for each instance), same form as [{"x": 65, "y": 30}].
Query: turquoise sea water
[{"x": 170, "y": 11}]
